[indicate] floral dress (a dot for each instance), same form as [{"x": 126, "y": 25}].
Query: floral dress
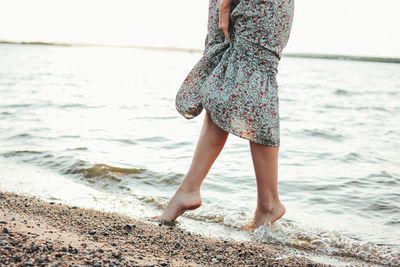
[{"x": 235, "y": 82}]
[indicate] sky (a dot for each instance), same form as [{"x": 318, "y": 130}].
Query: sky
[{"x": 349, "y": 27}]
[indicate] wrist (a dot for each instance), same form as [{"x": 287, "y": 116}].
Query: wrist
[{"x": 225, "y": 3}]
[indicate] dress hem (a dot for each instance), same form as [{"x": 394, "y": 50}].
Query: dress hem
[{"x": 237, "y": 134}]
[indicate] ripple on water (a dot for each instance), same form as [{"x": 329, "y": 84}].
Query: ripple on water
[
  {"x": 20, "y": 136},
  {"x": 153, "y": 139},
  {"x": 78, "y": 149},
  {"x": 352, "y": 157},
  {"x": 382, "y": 206},
  {"x": 17, "y": 105},
  {"x": 122, "y": 140},
  {"x": 342, "y": 92},
  {"x": 362, "y": 183},
  {"x": 374, "y": 108},
  {"x": 326, "y": 134},
  {"x": 381, "y": 174},
  {"x": 21, "y": 153}
]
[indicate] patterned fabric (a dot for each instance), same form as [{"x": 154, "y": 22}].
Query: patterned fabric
[{"x": 236, "y": 82}]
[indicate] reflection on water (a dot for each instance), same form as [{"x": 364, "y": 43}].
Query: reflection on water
[{"x": 104, "y": 118}]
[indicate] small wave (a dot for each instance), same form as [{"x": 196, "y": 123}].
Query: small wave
[
  {"x": 100, "y": 174},
  {"x": 213, "y": 218},
  {"x": 151, "y": 200},
  {"x": 105, "y": 171},
  {"x": 326, "y": 243}
]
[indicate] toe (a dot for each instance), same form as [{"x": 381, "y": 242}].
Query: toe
[
  {"x": 156, "y": 218},
  {"x": 248, "y": 227}
]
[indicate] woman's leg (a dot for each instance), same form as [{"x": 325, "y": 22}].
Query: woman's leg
[
  {"x": 269, "y": 208},
  {"x": 187, "y": 197}
]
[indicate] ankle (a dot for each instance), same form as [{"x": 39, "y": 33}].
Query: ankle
[
  {"x": 268, "y": 207},
  {"x": 188, "y": 189}
]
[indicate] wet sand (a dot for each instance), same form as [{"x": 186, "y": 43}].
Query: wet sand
[{"x": 38, "y": 233}]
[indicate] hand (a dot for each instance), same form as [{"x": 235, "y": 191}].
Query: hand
[{"x": 224, "y": 17}]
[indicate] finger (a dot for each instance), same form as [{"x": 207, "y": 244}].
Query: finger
[
  {"x": 224, "y": 26},
  {"x": 226, "y": 33}
]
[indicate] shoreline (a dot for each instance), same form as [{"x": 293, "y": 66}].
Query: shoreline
[
  {"x": 364, "y": 58},
  {"x": 37, "y": 233}
]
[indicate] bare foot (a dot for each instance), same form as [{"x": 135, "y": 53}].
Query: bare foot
[
  {"x": 266, "y": 217},
  {"x": 182, "y": 201}
]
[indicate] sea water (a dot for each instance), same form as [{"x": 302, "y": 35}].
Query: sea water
[{"x": 97, "y": 127}]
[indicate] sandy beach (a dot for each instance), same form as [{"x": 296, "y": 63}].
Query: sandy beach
[{"x": 38, "y": 233}]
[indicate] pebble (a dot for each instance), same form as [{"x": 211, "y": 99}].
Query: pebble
[
  {"x": 17, "y": 258},
  {"x": 5, "y": 230},
  {"x": 128, "y": 228}
]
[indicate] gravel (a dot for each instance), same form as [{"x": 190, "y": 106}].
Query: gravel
[{"x": 38, "y": 233}]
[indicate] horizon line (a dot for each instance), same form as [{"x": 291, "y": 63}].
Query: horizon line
[{"x": 198, "y": 50}]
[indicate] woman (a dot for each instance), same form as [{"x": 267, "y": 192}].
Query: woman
[{"x": 235, "y": 82}]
